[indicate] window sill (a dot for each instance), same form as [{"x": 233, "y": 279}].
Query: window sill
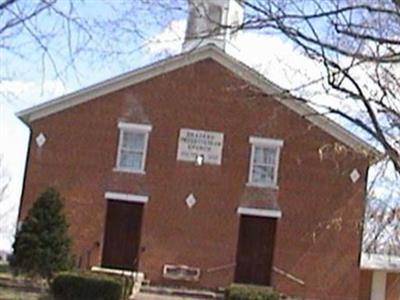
[
  {"x": 140, "y": 172},
  {"x": 264, "y": 186}
]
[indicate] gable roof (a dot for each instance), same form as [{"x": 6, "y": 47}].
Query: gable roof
[{"x": 181, "y": 60}]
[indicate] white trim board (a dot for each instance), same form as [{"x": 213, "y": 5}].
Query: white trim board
[
  {"x": 269, "y": 143},
  {"x": 265, "y": 141},
  {"x": 259, "y": 212},
  {"x": 378, "y": 285},
  {"x": 126, "y": 197},
  {"x": 139, "y": 275},
  {"x": 135, "y": 126},
  {"x": 138, "y": 128},
  {"x": 207, "y": 52}
]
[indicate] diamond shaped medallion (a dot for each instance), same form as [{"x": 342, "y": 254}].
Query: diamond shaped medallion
[
  {"x": 190, "y": 201},
  {"x": 40, "y": 140},
  {"x": 354, "y": 175}
]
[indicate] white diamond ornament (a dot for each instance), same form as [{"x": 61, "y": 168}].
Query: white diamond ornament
[
  {"x": 40, "y": 140},
  {"x": 354, "y": 175},
  {"x": 190, "y": 201}
]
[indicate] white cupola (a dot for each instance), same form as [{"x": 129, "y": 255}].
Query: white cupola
[{"x": 212, "y": 22}]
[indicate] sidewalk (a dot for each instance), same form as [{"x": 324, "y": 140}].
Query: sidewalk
[{"x": 149, "y": 296}]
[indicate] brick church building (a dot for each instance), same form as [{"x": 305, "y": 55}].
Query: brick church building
[{"x": 198, "y": 171}]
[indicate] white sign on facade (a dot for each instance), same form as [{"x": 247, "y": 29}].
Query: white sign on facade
[{"x": 193, "y": 143}]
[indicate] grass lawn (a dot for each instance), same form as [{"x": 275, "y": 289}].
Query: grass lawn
[
  {"x": 4, "y": 268},
  {"x": 16, "y": 294},
  {"x": 9, "y": 292}
]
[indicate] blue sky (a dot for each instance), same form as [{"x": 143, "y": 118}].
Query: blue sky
[
  {"x": 100, "y": 49},
  {"x": 29, "y": 78}
]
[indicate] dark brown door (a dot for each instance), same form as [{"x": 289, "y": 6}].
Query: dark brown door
[
  {"x": 255, "y": 250},
  {"x": 122, "y": 235}
]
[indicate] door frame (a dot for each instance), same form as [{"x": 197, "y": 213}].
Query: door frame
[
  {"x": 125, "y": 197},
  {"x": 274, "y": 215}
]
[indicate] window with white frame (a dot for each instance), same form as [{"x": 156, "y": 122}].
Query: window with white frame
[
  {"x": 132, "y": 147},
  {"x": 264, "y": 161}
]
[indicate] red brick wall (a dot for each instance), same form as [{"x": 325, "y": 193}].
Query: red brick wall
[
  {"x": 318, "y": 236},
  {"x": 365, "y": 285},
  {"x": 393, "y": 286}
]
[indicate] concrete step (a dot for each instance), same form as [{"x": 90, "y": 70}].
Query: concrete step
[
  {"x": 138, "y": 278},
  {"x": 150, "y": 296},
  {"x": 181, "y": 293}
]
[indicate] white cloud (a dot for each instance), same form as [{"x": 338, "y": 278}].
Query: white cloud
[
  {"x": 270, "y": 55},
  {"x": 276, "y": 59},
  {"x": 21, "y": 94},
  {"x": 169, "y": 41},
  {"x": 14, "y": 137}
]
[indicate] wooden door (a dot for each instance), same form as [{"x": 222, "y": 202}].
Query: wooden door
[
  {"x": 122, "y": 235},
  {"x": 255, "y": 250}
]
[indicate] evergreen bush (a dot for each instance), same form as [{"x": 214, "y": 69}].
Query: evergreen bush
[{"x": 42, "y": 245}]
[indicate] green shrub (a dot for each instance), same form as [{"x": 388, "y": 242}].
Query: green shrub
[
  {"x": 250, "y": 292},
  {"x": 42, "y": 245},
  {"x": 85, "y": 286},
  {"x": 4, "y": 268}
]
